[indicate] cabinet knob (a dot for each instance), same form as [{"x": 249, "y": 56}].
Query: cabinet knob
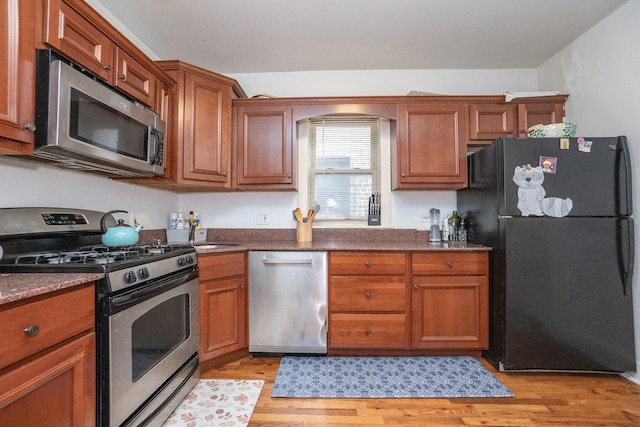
[
  {"x": 368, "y": 331},
  {"x": 107, "y": 67},
  {"x": 242, "y": 287},
  {"x": 32, "y": 330},
  {"x": 122, "y": 77},
  {"x": 404, "y": 175},
  {"x": 450, "y": 264},
  {"x": 367, "y": 264},
  {"x": 416, "y": 286},
  {"x": 367, "y": 294},
  {"x": 30, "y": 127},
  {"x": 224, "y": 173},
  {"x": 288, "y": 175}
]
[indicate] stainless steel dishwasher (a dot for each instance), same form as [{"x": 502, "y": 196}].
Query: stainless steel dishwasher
[{"x": 287, "y": 302}]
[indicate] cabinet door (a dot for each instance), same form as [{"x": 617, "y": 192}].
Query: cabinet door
[
  {"x": 538, "y": 113},
  {"x": 488, "y": 122},
  {"x": 431, "y": 149},
  {"x": 17, "y": 76},
  {"x": 135, "y": 79},
  {"x": 222, "y": 317},
  {"x": 264, "y": 148},
  {"x": 449, "y": 312},
  {"x": 55, "y": 389},
  {"x": 76, "y": 38},
  {"x": 207, "y": 133}
]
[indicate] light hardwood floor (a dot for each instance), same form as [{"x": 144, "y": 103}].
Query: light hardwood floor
[{"x": 541, "y": 399}]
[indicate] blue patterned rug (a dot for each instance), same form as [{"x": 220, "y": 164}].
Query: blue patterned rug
[{"x": 386, "y": 377}]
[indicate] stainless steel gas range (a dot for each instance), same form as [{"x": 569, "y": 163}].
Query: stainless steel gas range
[{"x": 147, "y": 307}]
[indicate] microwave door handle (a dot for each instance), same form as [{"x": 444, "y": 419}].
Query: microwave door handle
[{"x": 156, "y": 155}]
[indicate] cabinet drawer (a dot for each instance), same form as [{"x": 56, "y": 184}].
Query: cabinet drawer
[
  {"x": 367, "y": 331},
  {"x": 367, "y": 294},
  {"x": 449, "y": 263},
  {"x": 367, "y": 263},
  {"x": 57, "y": 319},
  {"x": 223, "y": 265}
]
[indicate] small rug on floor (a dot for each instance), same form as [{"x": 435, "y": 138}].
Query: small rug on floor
[
  {"x": 223, "y": 403},
  {"x": 386, "y": 377}
]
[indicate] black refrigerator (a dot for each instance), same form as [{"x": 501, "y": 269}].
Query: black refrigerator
[{"x": 557, "y": 214}]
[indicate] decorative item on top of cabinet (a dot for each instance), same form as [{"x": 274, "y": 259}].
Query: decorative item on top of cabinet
[
  {"x": 368, "y": 301},
  {"x": 17, "y": 77},
  {"x": 264, "y": 152},
  {"x": 223, "y": 305},
  {"x": 449, "y": 301},
  {"x": 430, "y": 151},
  {"x": 48, "y": 360}
]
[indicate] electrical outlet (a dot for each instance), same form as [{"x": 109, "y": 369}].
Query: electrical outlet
[
  {"x": 261, "y": 219},
  {"x": 135, "y": 218}
]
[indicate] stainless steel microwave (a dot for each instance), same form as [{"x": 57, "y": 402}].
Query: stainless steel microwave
[{"x": 84, "y": 124}]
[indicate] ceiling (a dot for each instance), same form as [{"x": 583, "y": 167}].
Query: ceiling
[{"x": 255, "y": 36}]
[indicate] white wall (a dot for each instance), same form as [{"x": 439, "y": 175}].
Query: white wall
[
  {"x": 24, "y": 184},
  {"x": 600, "y": 72}
]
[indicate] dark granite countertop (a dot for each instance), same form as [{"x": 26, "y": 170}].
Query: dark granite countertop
[{"x": 19, "y": 286}]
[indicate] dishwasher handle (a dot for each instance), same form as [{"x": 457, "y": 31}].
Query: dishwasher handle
[{"x": 286, "y": 261}]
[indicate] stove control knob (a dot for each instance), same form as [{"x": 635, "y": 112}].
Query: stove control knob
[
  {"x": 189, "y": 259},
  {"x": 143, "y": 273},
  {"x": 130, "y": 277},
  {"x": 181, "y": 262}
]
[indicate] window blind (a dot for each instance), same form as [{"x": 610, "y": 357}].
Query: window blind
[{"x": 343, "y": 165}]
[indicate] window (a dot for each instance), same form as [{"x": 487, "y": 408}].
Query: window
[{"x": 343, "y": 166}]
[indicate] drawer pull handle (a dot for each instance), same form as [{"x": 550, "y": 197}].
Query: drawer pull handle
[
  {"x": 123, "y": 77},
  {"x": 368, "y": 332},
  {"x": 450, "y": 263},
  {"x": 367, "y": 294},
  {"x": 416, "y": 286},
  {"x": 368, "y": 263},
  {"x": 31, "y": 331}
]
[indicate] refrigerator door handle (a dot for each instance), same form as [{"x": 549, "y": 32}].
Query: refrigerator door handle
[{"x": 626, "y": 266}]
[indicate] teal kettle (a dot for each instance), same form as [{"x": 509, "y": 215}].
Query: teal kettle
[{"x": 120, "y": 234}]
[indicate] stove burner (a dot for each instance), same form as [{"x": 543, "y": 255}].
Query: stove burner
[{"x": 96, "y": 255}]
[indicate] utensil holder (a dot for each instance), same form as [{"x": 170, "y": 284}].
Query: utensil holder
[
  {"x": 304, "y": 232},
  {"x": 373, "y": 220}
]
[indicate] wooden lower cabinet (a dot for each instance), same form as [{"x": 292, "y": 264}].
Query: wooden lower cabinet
[
  {"x": 223, "y": 305},
  {"x": 449, "y": 301},
  {"x": 432, "y": 301},
  {"x": 368, "y": 300},
  {"x": 48, "y": 361}
]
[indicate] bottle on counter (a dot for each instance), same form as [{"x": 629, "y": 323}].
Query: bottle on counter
[
  {"x": 173, "y": 221},
  {"x": 454, "y": 222},
  {"x": 444, "y": 235},
  {"x": 462, "y": 231},
  {"x": 180, "y": 221},
  {"x": 192, "y": 218}
]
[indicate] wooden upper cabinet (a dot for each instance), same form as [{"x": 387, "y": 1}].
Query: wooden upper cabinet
[
  {"x": 545, "y": 113},
  {"x": 200, "y": 127},
  {"x": 264, "y": 149},
  {"x": 71, "y": 34},
  {"x": 77, "y": 38},
  {"x": 135, "y": 79},
  {"x": 491, "y": 121},
  {"x": 430, "y": 147},
  {"x": 17, "y": 77}
]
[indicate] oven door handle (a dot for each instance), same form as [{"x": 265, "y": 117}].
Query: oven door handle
[{"x": 124, "y": 301}]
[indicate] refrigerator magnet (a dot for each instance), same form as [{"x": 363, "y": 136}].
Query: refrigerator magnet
[
  {"x": 548, "y": 164},
  {"x": 564, "y": 143},
  {"x": 584, "y": 146}
]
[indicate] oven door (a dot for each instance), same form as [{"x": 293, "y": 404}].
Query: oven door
[{"x": 153, "y": 332}]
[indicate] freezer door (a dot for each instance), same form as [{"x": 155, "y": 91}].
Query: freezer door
[
  {"x": 597, "y": 179},
  {"x": 567, "y": 294}
]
